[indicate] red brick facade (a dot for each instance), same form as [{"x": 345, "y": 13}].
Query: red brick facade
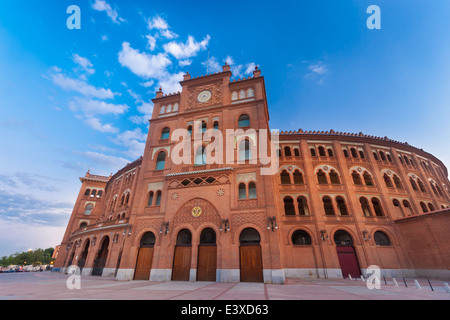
[{"x": 336, "y": 205}]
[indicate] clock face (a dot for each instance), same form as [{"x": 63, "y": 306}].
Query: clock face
[{"x": 204, "y": 96}]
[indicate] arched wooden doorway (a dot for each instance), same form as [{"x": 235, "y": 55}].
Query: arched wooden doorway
[
  {"x": 207, "y": 256},
  {"x": 82, "y": 260},
  {"x": 100, "y": 261},
  {"x": 346, "y": 254},
  {"x": 250, "y": 256},
  {"x": 145, "y": 257},
  {"x": 182, "y": 256}
]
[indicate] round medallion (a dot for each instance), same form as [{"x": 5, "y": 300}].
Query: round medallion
[
  {"x": 204, "y": 96},
  {"x": 196, "y": 212}
]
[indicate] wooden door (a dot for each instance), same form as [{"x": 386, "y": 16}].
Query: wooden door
[
  {"x": 251, "y": 263},
  {"x": 207, "y": 263},
  {"x": 144, "y": 264},
  {"x": 181, "y": 263},
  {"x": 348, "y": 261}
]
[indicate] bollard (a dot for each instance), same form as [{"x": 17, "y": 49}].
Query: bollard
[
  {"x": 447, "y": 287},
  {"x": 416, "y": 283},
  {"x": 395, "y": 282},
  {"x": 350, "y": 277}
]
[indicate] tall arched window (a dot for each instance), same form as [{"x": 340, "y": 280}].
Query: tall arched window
[
  {"x": 397, "y": 182},
  {"x": 354, "y": 153},
  {"x": 368, "y": 179},
  {"x": 365, "y": 207},
  {"x": 413, "y": 184},
  {"x": 200, "y": 156},
  {"x": 158, "y": 198},
  {"x": 407, "y": 205},
  {"x": 431, "y": 207},
  {"x": 245, "y": 152},
  {"x": 87, "y": 192},
  {"x": 287, "y": 152},
  {"x": 302, "y": 206},
  {"x": 285, "y": 177},
  {"x": 242, "y": 191},
  {"x": 322, "y": 151},
  {"x": 321, "y": 177},
  {"x": 88, "y": 209},
  {"x": 356, "y": 178},
  {"x": 377, "y": 207},
  {"x": 342, "y": 206},
  {"x": 204, "y": 127},
  {"x": 252, "y": 190},
  {"x": 328, "y": 206},
  {"x": 424, "y": 207},
  {"x": 165, "y": 133},
  {"x": 334, "y": 177},
  {"x": 150, "y": 198},
  {"x": 387, "y": 181},
  {"x": 160, "y": 161},
  {"x": 313, "y": 152},
  {"x": 298, "y": 177},
  {"x": 383, "y": 156},
  {"x": 289, "y": 208},
  {"x": 421, "y": 185},
  {"x": 244, "y": 121}
]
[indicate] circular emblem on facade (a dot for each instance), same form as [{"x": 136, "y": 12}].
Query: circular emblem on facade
[
  {"x": 325, "y": 168},
  {"x": 175, "y": 196},
  {"x": 204, "y": 96},
  {"x": 196, "y": 212},
  {"x": 220, "y": 192},
  {"x": 359, "y": 169}
]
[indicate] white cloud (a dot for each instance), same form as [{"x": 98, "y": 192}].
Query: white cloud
[
  {"x": 133, "y": 140},
  {"x": 103, "y": 160},
  {"x": 238, "y": 69},
  {"x": 90, "y": 107},
  {"x": 95, "y": 124},
  {"x": 101, "y": 5},
  {"x": 142, "y": 64},
  {"x": 81, "y": 86},
  {"x": 170, "y": 83},
  {"x": 212, "y": 65},
  {"x": 162, "y": 26},
  {"x": 84, "y": 63},
  {"x": 184, "y": 63},
  {"x": 151, "y": 42},
  {"x": 104, "y": 38},
  {"x": 147, "y": 84},
  {"x": 146, "y": 110},
  {"x": 188, "y": 49},
  {"x": 318, "y": 68}
]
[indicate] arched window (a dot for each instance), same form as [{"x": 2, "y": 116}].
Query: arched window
[
  {"x": 381, "y": 239},
  {"x": 413, "y": 184},
  {"x": 158, "y": 198},
  {"x": 289, "y": 208},
  {"x": 345, "y": 153},
  {"x": 165, "y": 133},
  {"x": 389, "y": 157},
  {"x": 302, "y": 206},
  {"x": 93, "y": 193},
  {"x": 313, "y": 152},
  {"x": 160, "y": 161},
  {"x": 249, "y": 236},
  {"x": 354, "y": 153},
  {"x": 321, "y": 177},
  {"x": 216, "y": 125},
  {"x": 356, "y": 178},
  {"x": 244, "y": 121},
  {"x": 147, "y": 240},
  {"x": 407, "y": 205},
  {"x": 200, "y": 156},
  {"x": 342, "y": 237},
  {"x": 368, "y": 179},
  {"x": 424, "y": 207},
  {"x": 361, "y": 154},
  {"x": 252, "y": 190},
  {"x": 99, "y": 194},
  {"x": 88, "y": 209},
  {"x": 208, "y": 236},
  {"x": 421, "y": 185},
  {"x": 365, "y": 207},
  {"x": 242, "y": 191},
  {"x": 296, "y": 152},
  {"x": 285, "y": 177},
  {"x": 287, "y": 152},
  {"x": 150, "y": 198},
  {"x": 87, "y": 192},
  {"x": 382, "y": 156},
  {"x": 300, "y": 237},
  {"x": 377, "y": 207},
  {"x": 322, "y": 151},
  {"x": 189, "y": 129},
  {"x": 431, "y": 207},
  {"x": 342, "y": 206},
  {"x": 375, "y": 155},
  {"x": 328, "y": 206},
  {"x": 83, "y": 225},
  {"x": 204, "y": 127},
  {"x": 330, "y": 152},
  {"x": 245, "y": 152},
  {"x": 397, "y": 182},
  {"x": 184, "y": 237},
  {"x": 334, "y": 177},
  {"x": 387, "y": 181},
  {"x": 298, "y": 177}
]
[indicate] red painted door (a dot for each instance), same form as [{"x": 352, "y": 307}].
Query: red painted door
[{"x": 348, "y": 261}]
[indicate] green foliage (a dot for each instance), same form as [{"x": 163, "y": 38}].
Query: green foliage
[{"x": 33, "y": 257}]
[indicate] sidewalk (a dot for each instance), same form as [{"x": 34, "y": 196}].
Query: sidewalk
[{"x": 52, "y": 286}]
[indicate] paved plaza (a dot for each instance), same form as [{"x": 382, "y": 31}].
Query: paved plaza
[{"x": 53, "y": 286}]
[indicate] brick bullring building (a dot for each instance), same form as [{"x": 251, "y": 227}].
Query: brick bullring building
[{"x": 336, "y": 203}]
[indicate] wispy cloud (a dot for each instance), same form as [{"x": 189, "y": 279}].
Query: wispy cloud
[
  {"x": 316, "y": 70},
  {"x": 101, "y": 5},
  {"x": 186, "y": 50}
]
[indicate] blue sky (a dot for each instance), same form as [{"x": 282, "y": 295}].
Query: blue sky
[{"x": 73, "y": 100}]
